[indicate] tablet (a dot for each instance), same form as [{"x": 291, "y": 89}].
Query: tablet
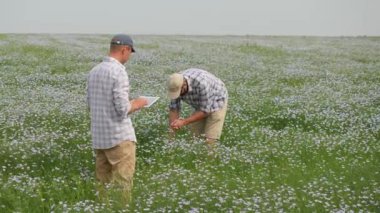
[{"x": 151, "y": 100}]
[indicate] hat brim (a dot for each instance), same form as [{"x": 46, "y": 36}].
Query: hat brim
[
  {"x": 174, "y": 95},
  {"x": 118, "y": 43}
]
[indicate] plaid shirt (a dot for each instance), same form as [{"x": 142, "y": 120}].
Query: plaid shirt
[
  {"x": 206, "y": 92},
  {"x": 108, "y": 101}
]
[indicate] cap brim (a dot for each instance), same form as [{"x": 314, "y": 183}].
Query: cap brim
[{"x": 174, "y": 95}]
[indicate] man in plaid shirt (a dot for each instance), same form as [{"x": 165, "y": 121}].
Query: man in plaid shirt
[
  {"x": 113, "y": 136},
  {"x": 208, "y": 96}
]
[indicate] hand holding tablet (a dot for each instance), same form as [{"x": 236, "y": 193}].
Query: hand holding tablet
[{"x": 151, "y": 100}]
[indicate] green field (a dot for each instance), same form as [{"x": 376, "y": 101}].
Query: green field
[{"x": 302, "y": 131}]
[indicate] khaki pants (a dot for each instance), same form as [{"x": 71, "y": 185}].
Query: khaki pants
[
  {"x": 211, "y": 127},
  {"x": 117, "y": 166}
]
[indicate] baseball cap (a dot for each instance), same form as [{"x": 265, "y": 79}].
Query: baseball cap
[
  {"x": 122, "y": 39},
  {"x": 175, "y": 85}
]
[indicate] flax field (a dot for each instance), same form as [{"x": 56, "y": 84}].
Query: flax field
[{"x": 302, "y": 132}]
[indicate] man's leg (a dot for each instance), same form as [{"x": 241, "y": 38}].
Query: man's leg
[
  {"x": 214, "y": 126},
  {"x": 123, "y": 160},
  {"x": 103, "y": 167},
  {"x": 103, "y": 171}
]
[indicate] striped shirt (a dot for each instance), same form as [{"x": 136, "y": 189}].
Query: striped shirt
[
  {"x": 206, "y": 92},
  {"x": 108, "y": 101}
]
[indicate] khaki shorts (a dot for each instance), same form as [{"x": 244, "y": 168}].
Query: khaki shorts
[
  {"x": 211, "y": 127},
  {"x": 116, "y": 164}
]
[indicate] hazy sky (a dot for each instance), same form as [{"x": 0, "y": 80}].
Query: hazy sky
[{"x": 206, "y": 17}]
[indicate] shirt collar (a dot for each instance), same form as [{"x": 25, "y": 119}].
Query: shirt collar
[{"x": 111, "y": 59}]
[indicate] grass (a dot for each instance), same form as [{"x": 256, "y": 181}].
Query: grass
[
  {"x": 301, "y": 135},
  {"x": 3, "y": 37}
]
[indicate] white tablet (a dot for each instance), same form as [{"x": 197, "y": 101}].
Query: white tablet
[{"x": 151, "y": 100}]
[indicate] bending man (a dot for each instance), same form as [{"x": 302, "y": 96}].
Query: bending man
[{"x": 208, "y": 96}]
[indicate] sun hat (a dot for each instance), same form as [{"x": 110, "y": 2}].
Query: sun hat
[
  {"x": 175, "y": 82},
  {"x": 122, "y": 39}
]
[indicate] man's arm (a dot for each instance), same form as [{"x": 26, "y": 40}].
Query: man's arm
[
  {"x": 123, "y": 105},
  {"x": 196, "y": 116},
  {"x": 174, "y": 110},
  {"x": 120, "y": 93}
]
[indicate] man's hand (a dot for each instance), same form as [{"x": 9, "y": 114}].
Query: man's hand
[
  {"x": 178, "y": 123},
  {"x": 137, "y": 104},
  {"x": 140, "y": 102}
]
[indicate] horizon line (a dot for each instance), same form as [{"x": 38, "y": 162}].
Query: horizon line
[{"x": 192, "y": 34}]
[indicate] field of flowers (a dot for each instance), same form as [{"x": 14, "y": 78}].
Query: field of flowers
[{"x": 302, "y": 133}]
